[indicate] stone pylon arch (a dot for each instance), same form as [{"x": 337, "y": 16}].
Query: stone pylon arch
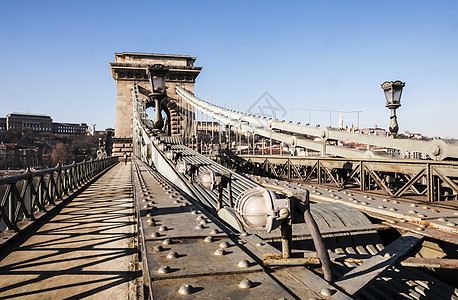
[{"x": 130, "y": 68}]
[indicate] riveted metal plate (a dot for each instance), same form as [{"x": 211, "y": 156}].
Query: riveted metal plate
[
  {"x": 222, "y": 287},
  {"x": 197, "y": 258}
]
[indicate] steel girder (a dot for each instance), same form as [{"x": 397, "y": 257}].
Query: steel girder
[{"x": 435, "y": 181}]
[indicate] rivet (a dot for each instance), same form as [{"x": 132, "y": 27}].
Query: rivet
[
  {"x": 224, "y": 245},
  {"x": 419, "y": 228},
  {"x": 185, "y": 289},
  {"x": 385, "y": 200},
  {"x": 245, "y": 284},
  {"x": 412, "y": 211},
  {"x": 455, "y": 213},
  {"x": 214, "y": 231},
  {"x": 244, "y": 234},
  {"x": 199, "y": 226},
  {"x": 199, "y": 218},
  {"x": 259, "y": 244},
  {"x": 243, "y": 264},
  {"x": 393, "y": 209},
  {"x": 163, "y": 228},
  {"x": 355, "y": 201},
  {"x": 208, "y": 239},
  {"x": 451, "y": 224},
  {"x": 172, "y": 255},
  {"x": 364, "y": 203},
  {"x": 220, "y": 252},
  {"x": 370, "y": 198},
  {"x": 413, "y": 205},
  {"x": 153, "y": 208},
  {"x": 337, "y": 197},
  {"x": 425, "y": 207},
  {"x": 381, "y": 206},
  {"x": 434, "y": 210},
  {"x": 387, "y": 255},
  {"x": 167, "y": 242},
  {"x": 164, "y": 270},
  {"x": 146, "y": 205},
  {"x": 402, "y": 220},
  {"x": 158, "y": 248},
  {"x": 177, "y": 201},
  {"x": 150, "y": 220},
  {"x": 325, "y": 292},
  {"x": 422, "y": 226},
  {"x": 392, "y": 221},
  {"x": 203, "y": 222},
  {"x": 365, "y": 196},
  {"x": 332, "y": 195},
  {"x": 149, "y": 214},
  {"x": 395, "y": 201},
  {"x": 421, "y": 216},
  {"x": 155, "y": 234},
  {"x": 441, "y": 219},
  {"x": 152, "y": 224},
  {"x": 194, "y": 212}
]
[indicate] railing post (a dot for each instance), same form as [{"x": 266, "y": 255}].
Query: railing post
[
  {"x": 318, "y": 170},
  {"x": 11, "y": 209},
  {"x": 362, "y": 178},
  {"x": 27, "y": 194}
]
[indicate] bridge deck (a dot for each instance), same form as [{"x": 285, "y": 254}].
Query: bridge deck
[{"x": 86, "y": 251}]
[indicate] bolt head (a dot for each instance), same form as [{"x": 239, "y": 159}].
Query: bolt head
[
  {"x": 158, "y": 248},
  {"x": 243, "y": 263},
  {"x": 326, "y": 292},
  {"x": 167, "y": 242},
  {"x": 164, "y": 270},
  {"x": 245, "y": 284},
  {"x": 185, "y": 289},
  {"x": 220, "y": 252},
  {"x": 224, "y": 245}
]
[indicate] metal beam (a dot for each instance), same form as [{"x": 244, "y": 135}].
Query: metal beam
[{"x": 359, "y": 277}]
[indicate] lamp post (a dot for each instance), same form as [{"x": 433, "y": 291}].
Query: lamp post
[
  {"x": 156, "y": 75},
  {"x": 393, "y": 92}
]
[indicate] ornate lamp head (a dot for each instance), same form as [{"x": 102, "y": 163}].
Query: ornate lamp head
[{"x": 393, "y": 92}]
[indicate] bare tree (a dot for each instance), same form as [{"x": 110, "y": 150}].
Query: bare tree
[{"x": 61, "y": 154}]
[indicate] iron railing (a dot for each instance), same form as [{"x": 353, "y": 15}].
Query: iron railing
[
  {"x": 24, "y": 196},
  {"x": 432, "y": 180}
]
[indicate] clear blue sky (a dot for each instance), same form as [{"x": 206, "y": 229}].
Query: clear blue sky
[{"x": 54, "y": 56}]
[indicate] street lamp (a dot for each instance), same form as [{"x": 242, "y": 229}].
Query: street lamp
[
  {"x": 156, "y": 75},
  {"x": 393, "y": 91}
]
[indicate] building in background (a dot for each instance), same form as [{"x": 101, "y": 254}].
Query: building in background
[
  {"x": 2, "y": 124},
  {"x": 40, "y": 123},
  {"x": 70, "y": 128},
  {"x": 34, "y": 122}
]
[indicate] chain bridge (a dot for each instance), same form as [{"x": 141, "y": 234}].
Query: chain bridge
[{"x": 213, "y": 203}]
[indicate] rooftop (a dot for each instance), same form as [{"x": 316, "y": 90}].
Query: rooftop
[{"x": 28, "y": 114}]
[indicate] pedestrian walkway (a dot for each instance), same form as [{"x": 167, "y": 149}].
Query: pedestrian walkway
[{"x": 86, "y": 251}]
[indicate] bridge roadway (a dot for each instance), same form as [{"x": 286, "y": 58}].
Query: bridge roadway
[{"x": 85, "y": 251}]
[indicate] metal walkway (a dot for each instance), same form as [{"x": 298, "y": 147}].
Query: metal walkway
[{"x": 86, "y": 251}]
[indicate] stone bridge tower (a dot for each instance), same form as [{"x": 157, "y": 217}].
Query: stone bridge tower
[{"x": 130, "y": 68}]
